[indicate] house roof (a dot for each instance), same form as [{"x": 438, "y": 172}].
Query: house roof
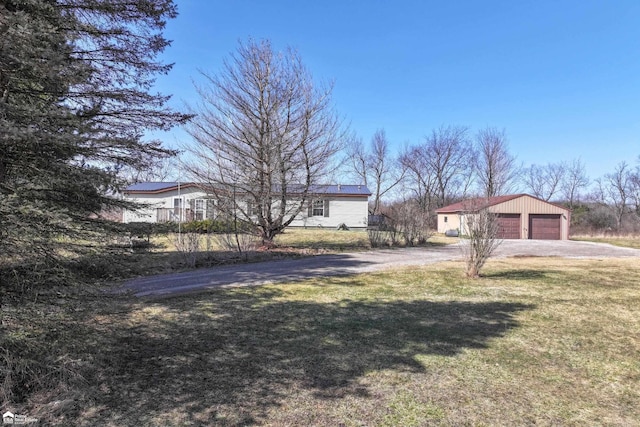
[
  {"x": 336, "y": 189},
  {"x": 156, "y": 187},
  {"x": 356, "y": 190},
  {"x": 483, "y": 202}
]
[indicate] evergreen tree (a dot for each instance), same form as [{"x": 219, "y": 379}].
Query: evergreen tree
[{"x": 75, "y": 102}]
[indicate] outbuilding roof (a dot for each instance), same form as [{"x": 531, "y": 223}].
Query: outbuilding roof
[
  {"x": 334, "y": 189},
  {"x": 478, "y": 203}
]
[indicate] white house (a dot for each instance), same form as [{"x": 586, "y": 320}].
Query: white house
[{"x": 331, "y": 205}]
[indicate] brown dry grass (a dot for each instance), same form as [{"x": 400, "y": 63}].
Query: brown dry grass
[
  {"x": 536, "y": 341},
  {"x": 324, "y": 239},
  {"x": 628, "y": 241},
  {"x": 310, "y": 239}
]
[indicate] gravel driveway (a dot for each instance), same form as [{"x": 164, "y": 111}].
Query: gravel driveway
[
  {"x": 563, "y": 248},
  {"x": 353, "y": 263}
]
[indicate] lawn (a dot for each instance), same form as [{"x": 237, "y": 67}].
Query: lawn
[
  {"x": 299, "y": 238},
  {"x": 623, "y": 241},
  {"x": 323, "y": 239},
  {"x": 536, "y": 341},
  {"x": 307, "y": 241}
]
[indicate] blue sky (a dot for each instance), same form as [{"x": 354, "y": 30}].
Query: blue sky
[{"x": 561, "y": 77}]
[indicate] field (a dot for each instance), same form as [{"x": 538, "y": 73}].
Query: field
[
  {"x": 623, "y": 241},
  {"x": 544, "y": 341}
]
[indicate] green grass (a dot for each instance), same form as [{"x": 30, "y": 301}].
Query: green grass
[
  {"x": 324, "y": 239},
  {"x": 536, "y": 341},
  {"x": 625, "y": 242}
]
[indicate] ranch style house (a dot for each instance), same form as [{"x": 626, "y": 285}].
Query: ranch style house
[{"x": 330, "y": 205}]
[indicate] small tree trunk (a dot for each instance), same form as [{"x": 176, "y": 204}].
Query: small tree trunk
[
  {"x": 267, "y": 237},
  {"x": 472, "y": 272}
]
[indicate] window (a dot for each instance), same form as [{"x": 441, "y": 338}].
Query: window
[
  {"x": 446, "y": 219},
  {"x": 210, "y": 208},
  {"x": 317, "y": 208},
  {"x": 198, "y": 211},
  {"x": 252, "y": 208},
  {"x": 177, "y": 209}
]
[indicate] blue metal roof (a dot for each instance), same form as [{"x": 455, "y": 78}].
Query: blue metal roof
[
  {"x": 151, "y": 186},
  {"x": 359, "y": 190}
]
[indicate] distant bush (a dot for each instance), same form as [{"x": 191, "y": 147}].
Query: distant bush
[
  {"x": 146, "y": 229},
  {"x": 138, "y": 229},
  {"x": 378, "y": 238},
  {"x": 592, "y": 218},
  {"x": 206, "y": 226},
  {"x": 202, "y": 226}
]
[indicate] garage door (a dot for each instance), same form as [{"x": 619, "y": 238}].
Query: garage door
[
  {"x": 508, "y": 226},
  {"x": 544, "y": 227}
]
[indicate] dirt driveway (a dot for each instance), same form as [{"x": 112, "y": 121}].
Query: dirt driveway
[{"x": 353, "y": 263}]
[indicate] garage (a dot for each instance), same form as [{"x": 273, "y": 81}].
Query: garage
[
  {"x": 508, "y": 226},
  {"x": 544, "y": 227},
  {"x": 519, "y": 216}
]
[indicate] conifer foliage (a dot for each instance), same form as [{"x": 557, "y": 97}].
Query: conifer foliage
[{"x": 76, "y": 98}]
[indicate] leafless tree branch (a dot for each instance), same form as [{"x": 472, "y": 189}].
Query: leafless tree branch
[
  {"x": 496, "y": 169},
  {"x": 264, "y": 133}
]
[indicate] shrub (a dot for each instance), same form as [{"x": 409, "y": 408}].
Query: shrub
[
  {"x": 203, "y": 226},
  {"x": 378, "y": 238},
  {"x": 480, "y": 240},
  {"x": 188, "y": 244},
  {"x": 240, "y": 242}
]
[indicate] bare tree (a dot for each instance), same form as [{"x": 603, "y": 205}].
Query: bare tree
[
  {"x": 545, "y": 181},
  {"x": 635, "y": 190},
  {"x": 534, "y": 180},
  {"x": 614, "y": 190},
  {"x": 481, "y": 229},
  {"x": 420, "y": 182},
  {"x": 438, "y": 170},
  {"x": 449, "y": 153},
  {"x": 158, "y": 169},
  {"x": 495, "y": 168},
  {"x": 357, "y": 159},
  {"x": 376, "y": 167},
  {"x": 265, "y": 134},
  {"x": 575, "y": 179}
]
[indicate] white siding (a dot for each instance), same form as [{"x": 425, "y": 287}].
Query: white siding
[
  {"x": 352, "y": 211},
  {"x": 159, "y": 200}
]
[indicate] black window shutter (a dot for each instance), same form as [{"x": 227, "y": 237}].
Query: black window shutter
[{"x": 326, "y": 207}]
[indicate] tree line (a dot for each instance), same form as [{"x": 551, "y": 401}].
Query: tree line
[{"x": 452, "y": 164}]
